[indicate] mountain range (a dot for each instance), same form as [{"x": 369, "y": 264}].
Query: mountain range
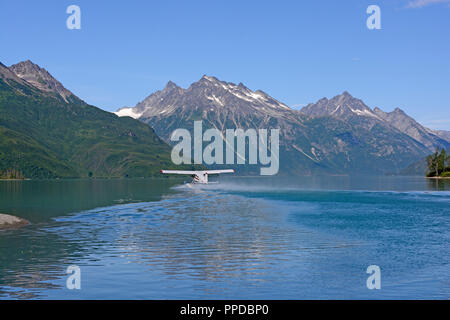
[
  {"x": 347, "y": 108},
  {"x": 341, "y": 135},
  {"x": 48, "y": 132}
]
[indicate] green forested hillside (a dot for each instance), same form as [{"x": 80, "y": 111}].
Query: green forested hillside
[{"x": 43, "y": 136}]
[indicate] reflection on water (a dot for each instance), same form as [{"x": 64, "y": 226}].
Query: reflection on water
[
  {"x": 438, "y": 184},
  {"x": 38, "y": 201},
  {"x": 32, "y": 258},
  {"x": 243, "y": 238}
]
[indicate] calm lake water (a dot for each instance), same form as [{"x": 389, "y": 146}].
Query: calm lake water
[{"x": 245, "y": 238}]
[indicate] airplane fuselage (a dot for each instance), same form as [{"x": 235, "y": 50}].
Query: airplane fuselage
[{"x": 201, "y": 176}]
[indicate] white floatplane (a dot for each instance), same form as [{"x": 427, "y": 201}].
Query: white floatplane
[{"x": 198, "y": 176}]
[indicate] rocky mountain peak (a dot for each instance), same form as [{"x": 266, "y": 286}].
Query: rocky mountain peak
[
  {"x": 11, "y": 79},
  {"x": 347, "y": 100},
  {"x": 171, "y": 86},
  {"x": 211, "y": 82},
  {"x": 214, "y": 82},
  {"x": 399, "y": 111},
  {"x": 341, "y": 106},
  {"x": 207, "y": 81},
  {"x": 346, "y": 94},
  {"x": 348, "y": 108},
  {"x": 27, "y": 64},
  {"x": 376, "y": 109},
  {"x": 203, "y": 97},
  {"x": 406, "y": 124},
  {"x": 209, "y": 78},
  {"x": 39, "y": 78}
]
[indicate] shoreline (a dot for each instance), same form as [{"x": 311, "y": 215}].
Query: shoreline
[
  {"x": 11, "y": 222},
  {"x": 438, "y": 178},
  {"x": 176, "y": 178}
]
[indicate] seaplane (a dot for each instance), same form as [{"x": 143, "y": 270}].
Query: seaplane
[{"x": 198, "y": 177}]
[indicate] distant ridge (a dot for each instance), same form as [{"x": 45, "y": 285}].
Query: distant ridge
[
  {"x": 340, "y": 135},
  {"x": 348, "y": 108}
]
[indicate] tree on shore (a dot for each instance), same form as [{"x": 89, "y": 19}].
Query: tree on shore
[
  {"x": 433, "y": 164},
  {"x": 438, "y": 163},
  {"x": 11, "y": 174},
  {"x": 447, "y": 163}
]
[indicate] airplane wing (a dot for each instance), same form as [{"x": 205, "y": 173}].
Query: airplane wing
[
  {"x": 219, "y": 171},
  {"x": 179, "y": 172},
  {"x": 197, "y": 172}
]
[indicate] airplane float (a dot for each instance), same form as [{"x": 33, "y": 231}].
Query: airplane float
[{"x": 200, "y": 177}]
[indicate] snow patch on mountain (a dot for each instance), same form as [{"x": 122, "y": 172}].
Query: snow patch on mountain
[
  {"x": 128, "y": 112},
  {"x": 366, "y": 113}
]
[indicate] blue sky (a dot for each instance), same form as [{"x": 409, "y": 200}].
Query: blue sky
[{"x": 297, "y": 51}]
